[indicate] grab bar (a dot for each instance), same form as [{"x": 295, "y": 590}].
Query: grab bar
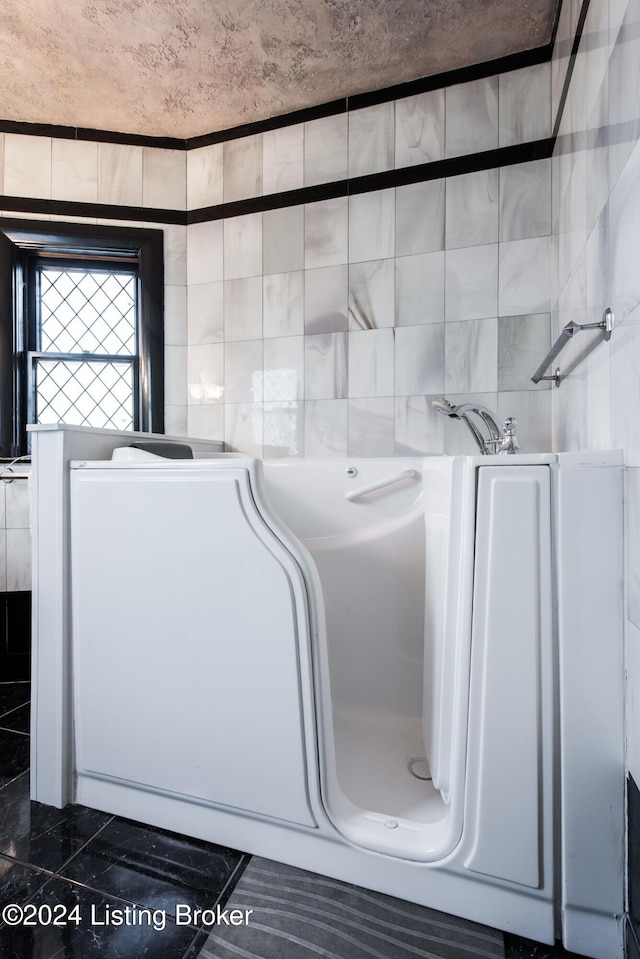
[
  {"x": 568, "y": 331},
  {"x": 381, "y": 484},
  {"x": 8, "y": 477}
]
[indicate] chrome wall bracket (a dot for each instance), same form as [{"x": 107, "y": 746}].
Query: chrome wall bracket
[{"x": 568, "y": 332}]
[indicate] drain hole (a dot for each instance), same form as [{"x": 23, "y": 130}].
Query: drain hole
[{"x": 420, "y": 769}]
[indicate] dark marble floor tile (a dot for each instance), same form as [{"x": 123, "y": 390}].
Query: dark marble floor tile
[
  {"x": 18, "y": 883},
  {"x": 18, "y": 719},
  {"x": 286, "y": 913},
  {"x": 154, "y": 868},
  {"x": 41, "y": 835},
  {"x": 14, "y": 754},
  {"x": 95, "y": 934},
  {"x": 12, "y": 695}
]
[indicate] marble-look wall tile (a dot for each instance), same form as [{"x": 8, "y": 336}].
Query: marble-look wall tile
[
  {"x": 164, "y": 178},
  {"x": 325, "y": 366},
  {"x": 205, "y": 373},
  {"x": 17, "y": 503},
  {"x": 283, "y": 369},
  {"x": 18, "y": 559},
  {"x": 471, "y": 349},
  {"x": 372, "y": 226},
  {"x": 283, "y": 430},
  {"x": 525, "y": 105},
  {"x": 525, "y": 200},
  {"x": 2, "y": 190},
  {"x": 3, "y": 509},
  {"x": 243, "y": 427},
  {"x": 206, "y": 311},
  {"x": 243, "y": 372},
  {"x": 632, "y": 523},
  {"x": 472, "y": 209},
  {"x": 417, "y": 428},
  {"x": 472, "y": 117},
  {"x": 175, "y": 315},
  {"x": 371, "y": 139},
  {"x": 325, "y": 428},
  {"x": 176, "y": 421},
  {"x": 419, "y": 358},
  {"x": 523, "y": 342},
  {"x": 420, "y": 211},
  {"x": 420, "y": 294},
  {"x": 533, "y": 413},
  {"x": 283, "y": 240},
  {"x": 283, "y": 159},
  {"x": 205, "y": 248},
  {"x": 326, "y": 296},
  {"x": 3, "y": 553},
  {"x": 206, "y": 422},
  {"x": 325, "y": 149},
  {"x": 420, "y": 128},
  {"x": 471, "y": 283},
  {"x": 27, "y": 165},
  {"x": 175, "y": 375},
  {"x": 371, "y": 295},
  {"x": 74, "y": 170},
  {"x": 371, "y": 363},
  {"x": 371, "y": 426},
  {"x": 243, "y": 308},
  {"x": 283, "y": 304},
  {"x": 524, "y": 277},
  {"x": 326, "y": 233},
  {"x": 242, "y": 168},
  {"x": 624, "y": 237},
  {"x": 175, "y": 254},
  {"x": 243, "y": 246},
  {"x": 204, "y": 177},
  {"x": 119, "y": 174}
]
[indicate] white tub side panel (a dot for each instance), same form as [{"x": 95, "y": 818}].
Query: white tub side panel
[
  {"x": 185, "y": 632},
  {"x": 590, "y": 616},
  {"x": 510, "y": 759}
]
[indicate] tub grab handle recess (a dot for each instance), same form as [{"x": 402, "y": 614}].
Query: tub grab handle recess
[{"x": 381, "y": 484}]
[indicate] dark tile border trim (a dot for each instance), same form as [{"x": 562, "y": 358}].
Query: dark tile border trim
[
  {"x": 477, "y": 71},
  {"x": 572, "y": 61},
  {"x": 20, "y": 204},
  {"x": 472, "y": 163}
]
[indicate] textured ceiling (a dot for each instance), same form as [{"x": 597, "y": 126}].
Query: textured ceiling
[{"x": 182, "y": 68}]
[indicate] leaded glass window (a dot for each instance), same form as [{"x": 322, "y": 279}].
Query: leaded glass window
[{"x": 84, "y": 370}]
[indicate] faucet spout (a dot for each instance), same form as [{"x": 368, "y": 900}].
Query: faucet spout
[{"x": 483, "y": 425}]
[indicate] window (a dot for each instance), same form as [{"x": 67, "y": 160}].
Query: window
[{"x": 81, "y": 337}]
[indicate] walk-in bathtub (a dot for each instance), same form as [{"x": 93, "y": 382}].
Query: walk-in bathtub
[{"x": 360, "y": 667}]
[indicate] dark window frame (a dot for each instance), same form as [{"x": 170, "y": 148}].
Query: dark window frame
[{"x": 22, "y": 239}]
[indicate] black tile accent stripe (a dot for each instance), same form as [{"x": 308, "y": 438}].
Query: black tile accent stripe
[
  {"x": 572, "y": 60},
  {"x": 515, "y": 61},
  {"x": 21, "y": 204},
  {"x": 473, "y": 162}
]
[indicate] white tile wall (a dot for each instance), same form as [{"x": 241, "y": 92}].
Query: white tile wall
[
  {"x": 15, "y": 534},
  {"x": 328, "y": 328},
  {"x": 596, "y": 218}
]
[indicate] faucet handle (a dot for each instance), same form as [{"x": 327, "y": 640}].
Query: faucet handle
[{"x": 509, "y": 442}]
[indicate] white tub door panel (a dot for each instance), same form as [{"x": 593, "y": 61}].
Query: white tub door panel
[
  {"x": 511, "y": 705},
  {"x": 185, "y": 631}
]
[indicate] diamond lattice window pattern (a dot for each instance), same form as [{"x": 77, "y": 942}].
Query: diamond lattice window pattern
[{"x": 82, "y": 313}]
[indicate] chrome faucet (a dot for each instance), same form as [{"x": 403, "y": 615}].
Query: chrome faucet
[{"x": 489, "y": 435}]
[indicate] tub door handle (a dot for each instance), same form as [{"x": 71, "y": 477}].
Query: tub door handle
[{"x": 381, "y": 484}]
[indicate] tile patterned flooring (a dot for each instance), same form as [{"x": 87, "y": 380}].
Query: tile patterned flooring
[{"x": 81, "y": 863}]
